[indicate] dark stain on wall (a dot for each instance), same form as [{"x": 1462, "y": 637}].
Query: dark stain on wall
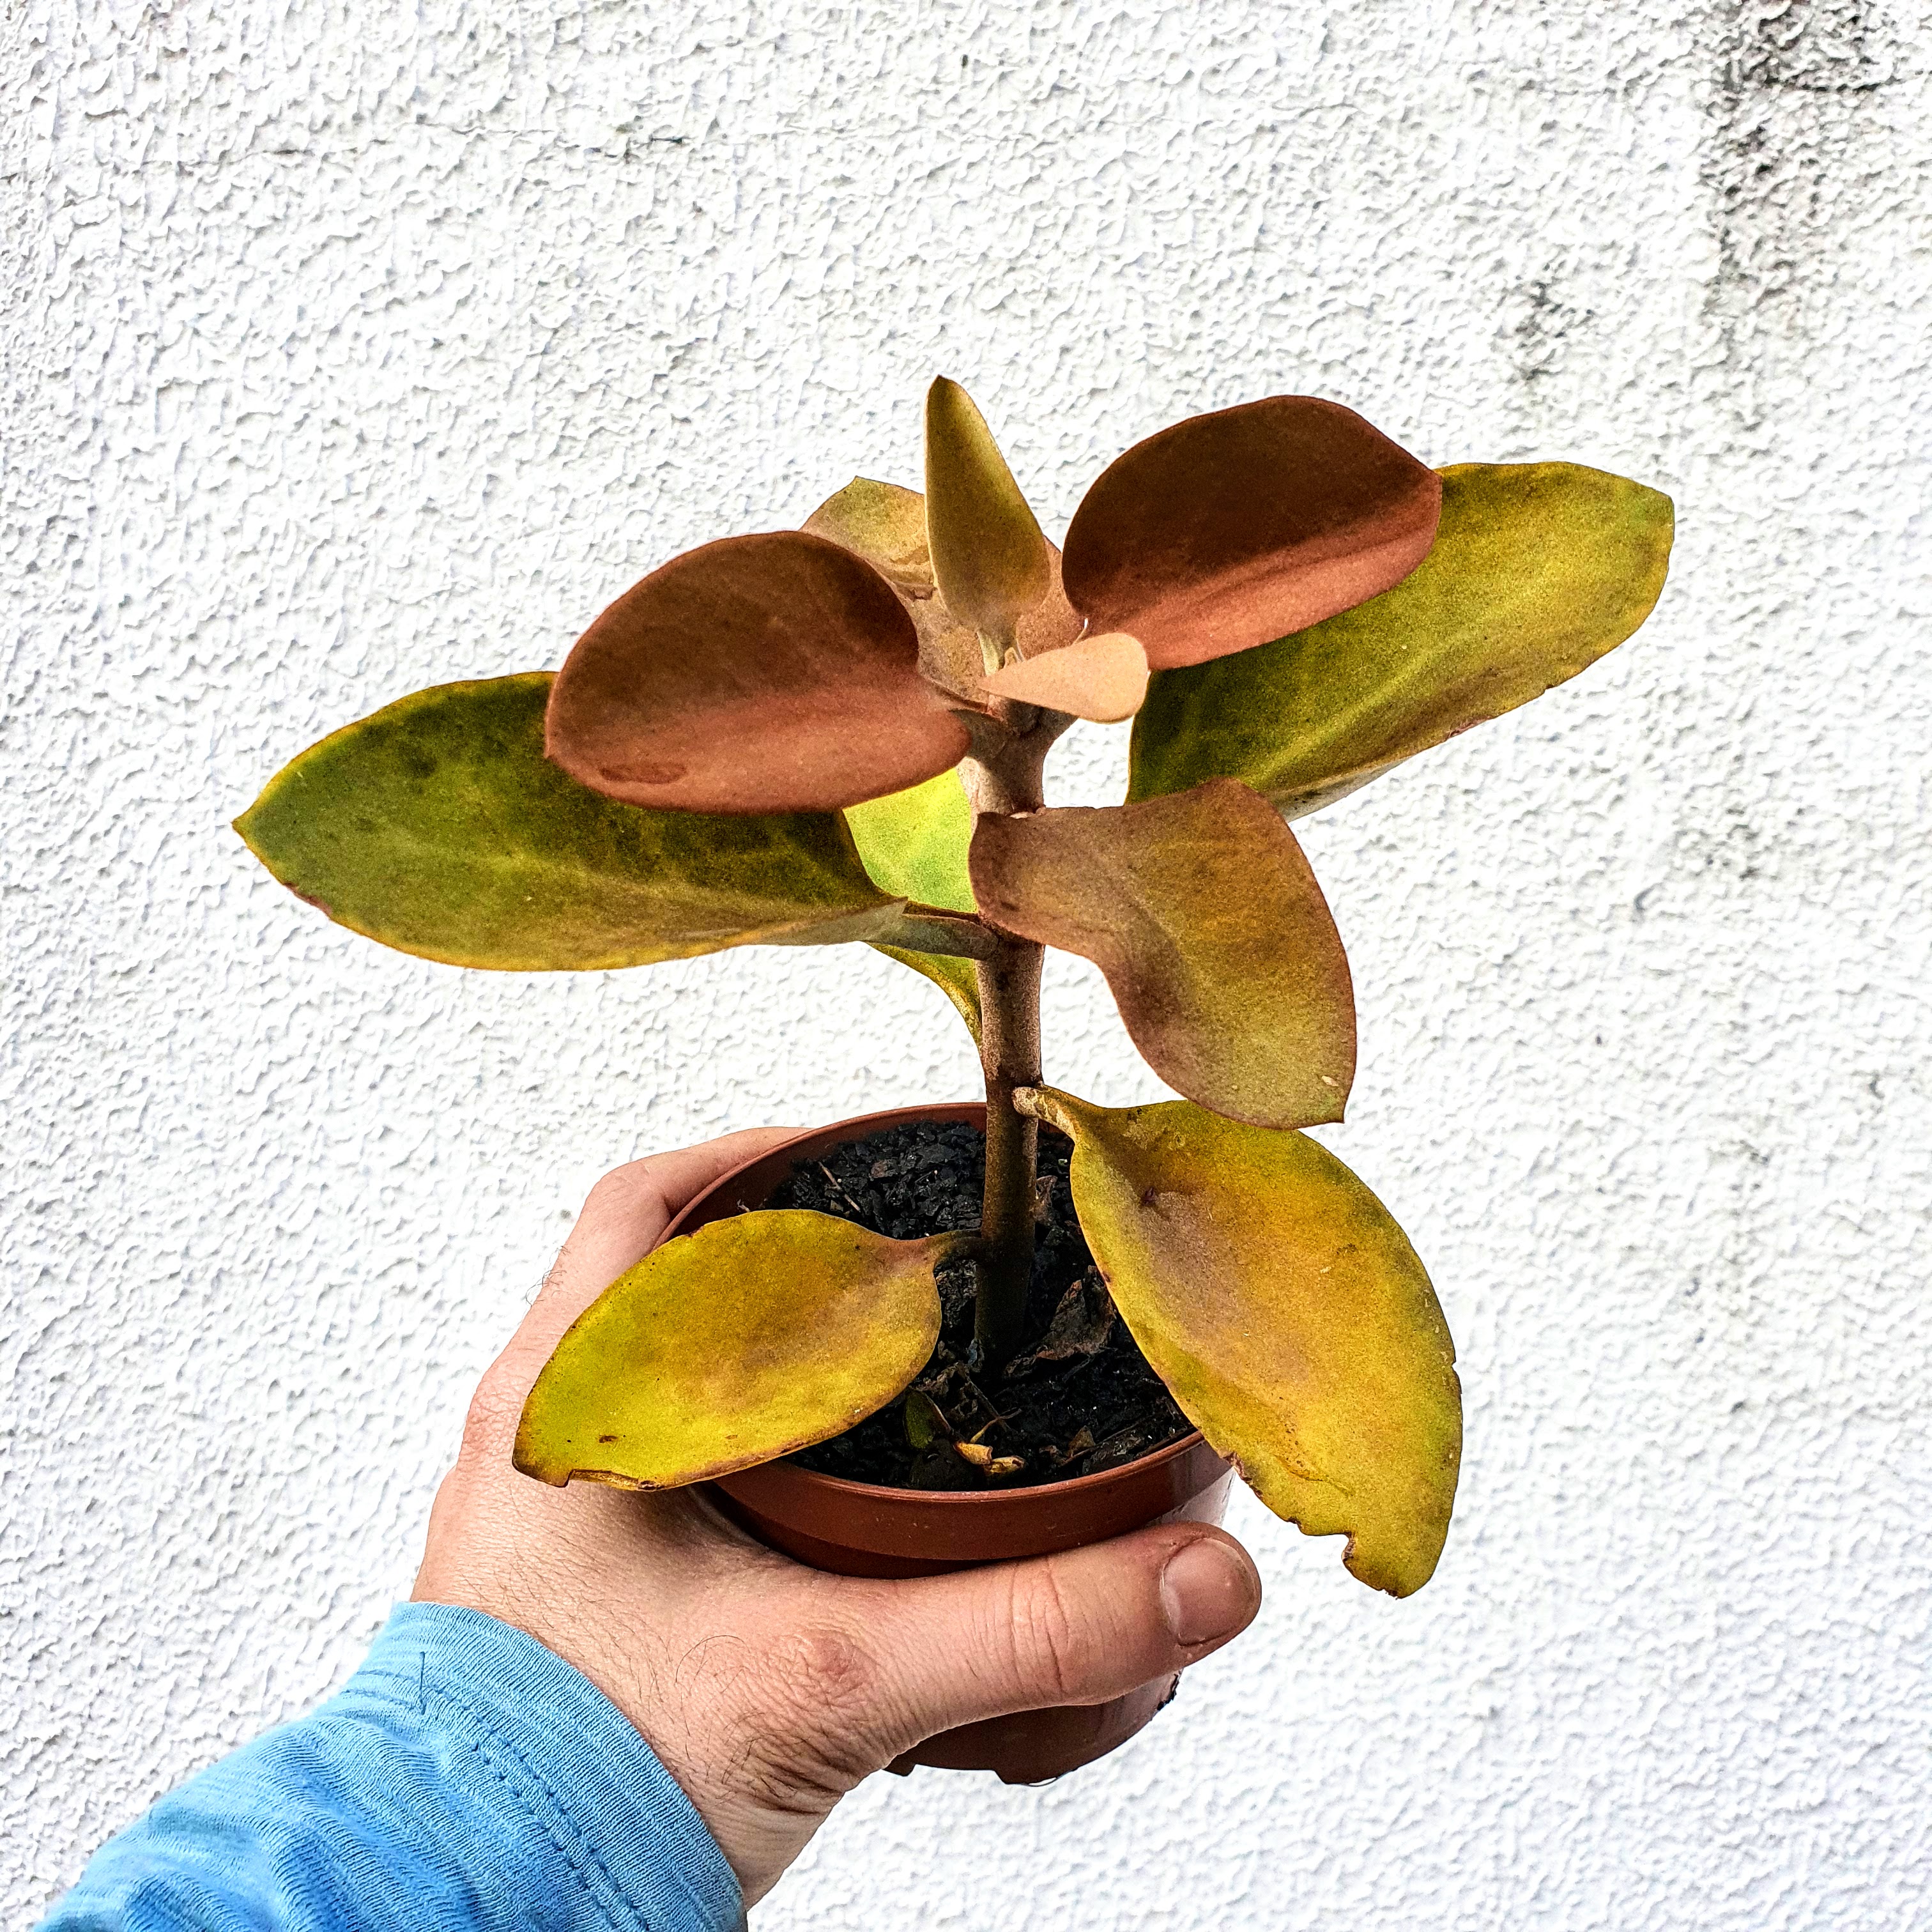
[{"x": 1793, "y": 83}]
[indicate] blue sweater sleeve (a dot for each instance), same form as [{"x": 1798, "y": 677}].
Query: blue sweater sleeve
[{"x": 465, "y": 1776}]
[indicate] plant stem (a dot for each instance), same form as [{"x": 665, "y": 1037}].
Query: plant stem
[
  {"x": 1003, "y": 776},
  {"x": 1010, "y": 1054}
]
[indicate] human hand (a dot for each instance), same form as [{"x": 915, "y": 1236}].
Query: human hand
[{"x": 766, "y": 1689}]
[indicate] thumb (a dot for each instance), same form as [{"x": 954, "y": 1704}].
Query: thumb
[{"x": 1077, "y": 1628}]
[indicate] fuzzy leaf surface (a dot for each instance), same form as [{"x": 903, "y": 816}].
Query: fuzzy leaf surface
[
  {"x": 1228, "y": 529},
  {"x": 1538, "y": 570},
  {"x": 776, "y": 672},
  {"x": 1213, "y": 935},
  {"x": 1288, "y": 1314},
  {"x": 919, "y": 839},
  {"x": 749, "y": 1339},
  {"x": 436, "y": 825}
]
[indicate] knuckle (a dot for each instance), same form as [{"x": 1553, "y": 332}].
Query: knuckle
[
  {"x": 1048, "y": 1638},
  {"x": 809, "y": 1702},
  {"x": 490, "y": 1423}
]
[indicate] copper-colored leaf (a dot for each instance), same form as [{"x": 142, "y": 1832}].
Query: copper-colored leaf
[
  {"x": 777, "y": 672},
  {"x": 753, "y": 1337},
  {"x": 438, "y": 827},
  {"x": 1228, "y": 529},
  {"x": 1278, "y": 1300},
  {"x": 1103, "y": 678},
  {"x": 1538, "y": 569},
  {"x": 988, "y": 557},
  {"x": 913, "y": 843},
  {"x": 886, "y": 525},
  {"x": 1208, "y": 924}
]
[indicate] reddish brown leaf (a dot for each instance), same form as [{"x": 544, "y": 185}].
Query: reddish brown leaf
[
  {"x": 1204, "y": 916},
  {"x": 1230, "y": 530},
  {"x": 776, "y": 672}
]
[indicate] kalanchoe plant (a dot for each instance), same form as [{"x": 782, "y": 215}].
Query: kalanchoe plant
[{"x": 838, "y": 734}]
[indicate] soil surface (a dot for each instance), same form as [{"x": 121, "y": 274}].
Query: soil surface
[{"x": 1078, "y": 1398}]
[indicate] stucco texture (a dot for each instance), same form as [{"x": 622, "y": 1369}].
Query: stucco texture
[{"x": 350, "y": 348}]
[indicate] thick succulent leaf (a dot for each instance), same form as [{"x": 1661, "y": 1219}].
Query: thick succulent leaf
[
  {"x": 886, "y": 525},
  {"x": 1538, "y": 568},
  {"x": 1278, "y": 1300},
  {"x": 1203, "y": 915},
  {"x": 752, "y": 1337},
  {"x": 914, "y": 845},
  {"x": 777, "y": 672},
  {"x": 1228, "y": 529},
  {"x": 1103, "y": 678},
  {"x": 438, "y": 827},
  {"x": 988, "y": 557},
  {"x": 913, "y": 842}
]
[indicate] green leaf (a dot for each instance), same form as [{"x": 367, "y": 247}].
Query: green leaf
[
  {"x": 438, "y": 827},
  {"x": 1285, "y": 1310},
  {"x": 988, "y": 557},
  {"x": 736, "y": 1345},
  {"x": 1538, "y": 568},
  {"x": 1212, "y": 933},
  {"x": 914, "y": 843}
]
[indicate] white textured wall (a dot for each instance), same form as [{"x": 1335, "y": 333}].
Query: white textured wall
[{"x": 351, "y": 347}]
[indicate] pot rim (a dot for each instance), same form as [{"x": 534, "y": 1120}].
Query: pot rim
[{"x": 857, "y": 1128}]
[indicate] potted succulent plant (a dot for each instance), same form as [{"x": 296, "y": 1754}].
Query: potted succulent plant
[{"x": 892, "y": 1345}]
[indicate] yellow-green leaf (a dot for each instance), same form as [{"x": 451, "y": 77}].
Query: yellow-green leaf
[
  {"x": 1538, "y": 569},
  {"x": 753, "y": 1337},
  {"x": 1278, "y": 1300},
  {"x": 1212, "y": 933},
  {"x": 988, "y": 554},
  {"x": 438, "y": 827},
  {"x": 914, "y": 843}
]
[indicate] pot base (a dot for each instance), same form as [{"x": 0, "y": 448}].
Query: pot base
[{"x": 861, "y": 1529}]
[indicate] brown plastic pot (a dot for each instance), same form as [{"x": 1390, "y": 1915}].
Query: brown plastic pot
[{"x": 864, "y": 1529}]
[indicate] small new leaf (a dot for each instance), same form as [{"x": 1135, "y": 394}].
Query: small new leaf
[
  {"x": 886, "y": 525},
  {"x": 1206, "y": 919},
  {"x": 1104, "y": 679},
  {"x": 1287, "y": 1313},
  {"x": 751, "y": 1338},
  {"x": 436, "y": 825},
  {"x": 1538, "y": 568},
  {"x": 989, "y": 556}
]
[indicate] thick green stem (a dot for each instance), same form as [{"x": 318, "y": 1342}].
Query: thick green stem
[{"x": 1004, "y": 776}]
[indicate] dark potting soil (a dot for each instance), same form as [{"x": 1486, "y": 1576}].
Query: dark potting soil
[{"x": 1078, "y": 1398}]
